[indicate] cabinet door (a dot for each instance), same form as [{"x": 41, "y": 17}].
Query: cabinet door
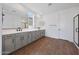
[
  {"x": 3, "y": 45},
  {"x": 33, "y": 36},
  {"x": 42, "y": 33},
  {"x": 23, "y": 39},
  {"x": 8, "y": 44},
  {"x": 26, "y": 38},
  {"x": 30, "y": 37},
  {"x": 36, "y": 35},
  {"x": 18, "y": 41}
]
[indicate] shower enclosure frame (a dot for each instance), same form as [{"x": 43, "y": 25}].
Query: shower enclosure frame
[{"x": 76, "y": 30}]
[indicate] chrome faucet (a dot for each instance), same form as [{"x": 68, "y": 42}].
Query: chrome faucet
[{"x": 18, "y": 29}]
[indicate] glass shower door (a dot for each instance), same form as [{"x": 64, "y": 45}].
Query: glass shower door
[{"x": 76, "y": 29}]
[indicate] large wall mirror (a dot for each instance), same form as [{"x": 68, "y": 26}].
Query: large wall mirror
[
  {"x": 19, "y": 17},
  {"x": 12, "y": 18}
]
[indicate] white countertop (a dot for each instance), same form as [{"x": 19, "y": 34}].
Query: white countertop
[{"x": 12, "y": 31}]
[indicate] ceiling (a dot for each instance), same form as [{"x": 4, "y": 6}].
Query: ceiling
[
  {"x": 39, "y": 8},
  {"x": 43, "y": 8}
]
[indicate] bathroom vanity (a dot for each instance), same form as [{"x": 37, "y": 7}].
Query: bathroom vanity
[
  {"x": 11, "y": 41},
  {"x": 12, "y": 21}
]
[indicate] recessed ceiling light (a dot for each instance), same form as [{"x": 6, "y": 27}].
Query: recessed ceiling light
[{"x": 49, "y": 4}]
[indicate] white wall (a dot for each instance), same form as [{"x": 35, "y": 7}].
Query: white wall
[
  {"x": 51, "y": 25},
  {"x": 60, "y": 24}
]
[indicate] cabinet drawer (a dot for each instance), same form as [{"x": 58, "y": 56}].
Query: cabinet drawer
[{"x": 7, "y": 36}]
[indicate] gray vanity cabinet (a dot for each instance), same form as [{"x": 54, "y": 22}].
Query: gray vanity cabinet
[
  {"x": 12, "y": 42},
  {"x": 8, "y": 44}
]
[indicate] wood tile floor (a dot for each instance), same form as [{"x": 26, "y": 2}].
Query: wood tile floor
[{"x": 48, "y": 46}]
